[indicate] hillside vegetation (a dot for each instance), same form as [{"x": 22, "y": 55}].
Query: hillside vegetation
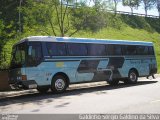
[
  {"x": 116, "y": 26},
  {"x": 131, "y": 28}
]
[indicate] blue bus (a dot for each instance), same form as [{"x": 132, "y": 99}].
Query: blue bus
[{"x": 46, "y": 62}]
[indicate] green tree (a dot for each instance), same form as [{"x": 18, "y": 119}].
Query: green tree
[
  {"x": 131, "y": 3},
  {"x": 35, "y": 16},
  {"x": 158, "y": 6},
  {"x": 55, "y": 13},
  {"x": 112, "y": 5},
  {"x": 89, "y": 18},
  {"x": 9, "y": 18},
  {"x": 116, "y": 4},
  {"x": 62, "y": 10},
  {"x": 64, "y": 17},
  {"x": 148, "y": 4}
]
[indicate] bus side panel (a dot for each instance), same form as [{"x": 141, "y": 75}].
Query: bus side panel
[
  {"x": 142, "y": 65},
  {"x": 44, "y": 72},
  {"x": 93, "y": 70},
  {"x": 48, "y": 69},
  {"x": 125, "y": 69},
  {"x": 76, "y": 70},
  {"x": 89, "y": 70}
]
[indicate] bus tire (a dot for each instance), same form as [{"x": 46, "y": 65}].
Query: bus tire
[
  {"x": 132, "y": 77},
  {"x": 113, "y": 82},
  {"x": 42, "y": 89},
  {"x": 59, "y": 84}
]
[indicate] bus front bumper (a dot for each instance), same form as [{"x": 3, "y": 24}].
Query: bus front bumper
[{"x": 28, "y": 84}]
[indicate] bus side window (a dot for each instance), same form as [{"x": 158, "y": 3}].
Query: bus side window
[
  {"x": 110, "y": 49},
  {"x": 150, "y": 50},
  {"x": 114, "y": 49},
  {"x": 96, "y": 50},
  {"x": 142, "y": 50},
  {"x": 77, "y": 49},
  {"x": 131, "y": 50},
  {"x": 124, "y": 49},
  {"x": 146, "y": 50},
  {"x": 117, "y": 50},
  {"x": 56, "y": 49}
]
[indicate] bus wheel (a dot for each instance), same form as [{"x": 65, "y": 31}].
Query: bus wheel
[
  {"x": 42, "y": 89},
  {"x": 132, "y": 77},
  {"x": 113, "y": 82},
  {"x": 59, "y": 84}
]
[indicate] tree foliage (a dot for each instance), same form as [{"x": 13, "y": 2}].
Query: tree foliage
[
  {"x": 158, "y": 6},
  {"x": 8, "y": 19},
  {"x": 115, "y": 4},
  {"x": 54, "y": 15},
  {"x": 148, "y": 4},
  {"x": 35, "y": 16},
  {"x": 131, "y": 3},
  {"x": 87, "y": 18},
  {"x": 64, "y": 17}
]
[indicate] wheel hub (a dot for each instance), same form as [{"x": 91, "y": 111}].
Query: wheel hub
[
  {"x": 133, "y": 77},
  {"x": 59, "y": 84}
]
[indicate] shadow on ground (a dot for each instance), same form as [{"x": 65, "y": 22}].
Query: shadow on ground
[{"x": 37, "y": 98}]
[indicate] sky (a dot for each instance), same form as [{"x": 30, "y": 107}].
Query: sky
[{"x": 140, "y": 10}]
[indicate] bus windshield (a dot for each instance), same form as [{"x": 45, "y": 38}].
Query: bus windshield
[
  {"x": 18, "y": 56},
  {"x": 34, "y": 54}
]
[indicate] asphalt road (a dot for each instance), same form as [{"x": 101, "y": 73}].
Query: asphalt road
[{"x": 143, "y": 97}]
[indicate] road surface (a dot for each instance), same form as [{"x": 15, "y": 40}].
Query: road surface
[{"x": 144, "y": 97}]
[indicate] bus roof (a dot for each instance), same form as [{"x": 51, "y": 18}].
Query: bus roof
[{"x": 83, "y": 40}]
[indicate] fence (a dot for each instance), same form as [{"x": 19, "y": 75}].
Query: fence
[{"x": 136, "y": 14}]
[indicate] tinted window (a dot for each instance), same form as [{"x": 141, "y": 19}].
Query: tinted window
[
  {"x": 56, "y": 49},
  {"x": 110, "y": 49},
  {"x": 150, "y": 50},
  {"x": 96, "y": 50},
  {"x": 76, "y": 49},
  {"x": 142, "y": 50},
  {"x": 130, "y": 50},
  {"x": 114, "y": 49},
  {"x": 117, "y": 50},
  {"x": 123, "y": 49}
]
